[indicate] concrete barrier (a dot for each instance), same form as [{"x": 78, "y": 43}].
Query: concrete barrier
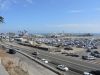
[{"x": 41, "y": 63}]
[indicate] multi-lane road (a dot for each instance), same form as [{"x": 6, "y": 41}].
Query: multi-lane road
[
  {"x": 73, "y": 64},
  {"x": 29, "y": 52}
]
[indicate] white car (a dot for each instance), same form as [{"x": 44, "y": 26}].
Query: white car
[
  {"x": 91, "y": 58},
  {"x": 45, "y": 61},
  {"x": 88, "y": 57},
  {"x": 62, "y": 67},
  {"x": 87, "y": 73}
]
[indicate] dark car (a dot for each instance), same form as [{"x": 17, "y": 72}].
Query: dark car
[
  {"x": 97, "y": 72},
  {"x": 75, "y": 55},
  {"x": 94, "y": 47},
  {"x": 95, "y": 54},
  {"x": 64, "y": 53},
  {"x": 12, "y": 51},
  {"x": 35, "y": 53},
  {"x": 84, "y": 57},
  {"x": 68, "y": 48},
  {"x": 88, "y": 50},
  {"x": 72, "y": 54}
]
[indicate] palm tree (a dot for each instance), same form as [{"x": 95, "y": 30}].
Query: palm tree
[{"x": 1, "y": 19}]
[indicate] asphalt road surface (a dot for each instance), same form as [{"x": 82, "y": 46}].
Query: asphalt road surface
[
  {"x": 35, "y": 68},
  {"x": 70, "y": 62}
]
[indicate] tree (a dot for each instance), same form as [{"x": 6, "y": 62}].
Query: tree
[{"x": 1, "y": 19}]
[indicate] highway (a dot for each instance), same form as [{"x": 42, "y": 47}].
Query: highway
[
  {"x": 52, "y": 65},
  {"x": 33, "y": 67},
  {"x": 70, "y": 62}
]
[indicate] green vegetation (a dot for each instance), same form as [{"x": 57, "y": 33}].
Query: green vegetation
[{"x": 1, "y": 19}]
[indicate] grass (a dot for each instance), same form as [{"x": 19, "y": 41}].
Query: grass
[{"x": 12, "y": 65}]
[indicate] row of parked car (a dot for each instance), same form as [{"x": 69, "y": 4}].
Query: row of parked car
[{"x": 92, "y": 55}]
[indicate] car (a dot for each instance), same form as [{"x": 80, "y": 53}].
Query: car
[
  {"x": 64, "y": 53},
  {"x": 75, "y": 55},
  {"x": 45, "y": 61},
  {"x": 88, "y": 50},
  {"x": 62, "y": 67},
  {"x": 87, "y": 73},
  {"x": 68, "y": 48},
  {"x": 95, "y": 54},
  {"x": 79, "y": 46},
  {"x": 69, "y": 54},
  {"x": 12, "y": 51},
  {"x": 35, "y": 53},
  {"x": 96, "y": 72},
  {"x": 72, "y": 54},
  {"x": 94, "y": 47},
  {"x": 88, "y": 57}
]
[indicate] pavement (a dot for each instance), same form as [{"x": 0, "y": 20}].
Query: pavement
[
  {"x": 66, "y": 59},
  {"x": 71, "y": 62},
  {"x": 25, "y": 50},
  {"x": 33, "y": 67}
]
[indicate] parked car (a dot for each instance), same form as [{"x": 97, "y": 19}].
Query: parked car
[
  {"x": 88, "y": 50},
  {"x": 79, "y": 46},
  {"x": 75, "y": 55},
  {"x": 88, "y": 57},
  {"x": 68, "y": 48},
  {"x": 94, "y": 47},
  {"x": 12, "y": 51},
  {"x": 69, "y": 54},
  {"x": 62, "y": 67},
  {"x": 72, "y": 54},
  {"x": 95, "y": 54},
  {"x": 64, "y": 53}
]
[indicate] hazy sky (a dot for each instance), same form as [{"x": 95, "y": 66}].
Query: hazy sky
[{"x": 51, "y": 15}]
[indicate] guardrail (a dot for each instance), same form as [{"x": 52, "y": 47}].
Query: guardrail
[{"x": 41, "y": 63}]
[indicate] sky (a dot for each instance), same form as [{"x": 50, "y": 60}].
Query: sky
[{"x": 43, "y": 16}]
